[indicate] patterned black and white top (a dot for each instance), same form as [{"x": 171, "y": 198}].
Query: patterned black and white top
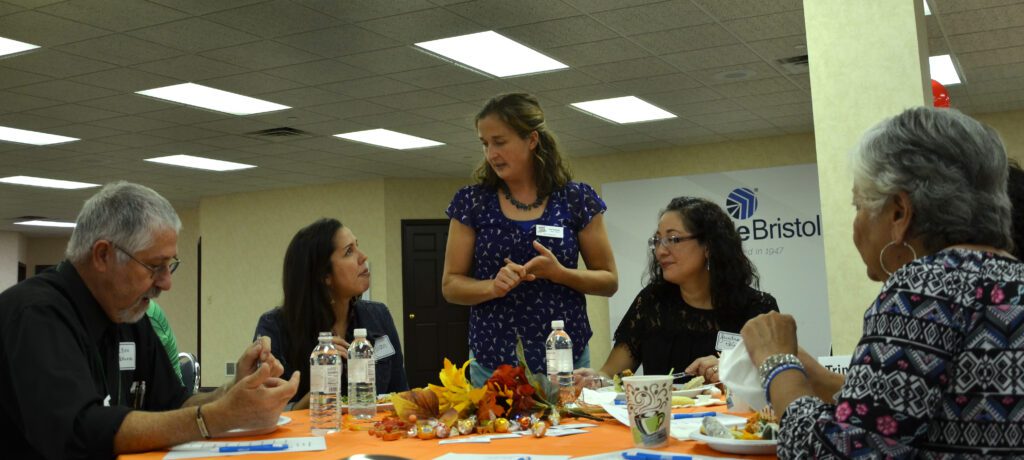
[
  {"x": 938, "y": 373},
  {"x": 527, "y": 310}
]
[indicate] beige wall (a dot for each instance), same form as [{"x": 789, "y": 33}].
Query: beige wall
[
  {"x": 45, "y": 251},
  {"x": 179, "y": 304}
]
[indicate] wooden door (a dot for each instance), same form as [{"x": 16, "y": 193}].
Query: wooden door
[{"x": 434, "y": 328}]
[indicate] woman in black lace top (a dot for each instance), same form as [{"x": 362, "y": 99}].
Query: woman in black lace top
[{"x": 700, "y": 284}]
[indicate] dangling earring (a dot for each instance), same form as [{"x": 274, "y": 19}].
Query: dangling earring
[
  {"x": 707, "y": 264},
  {"x": 881, "y": 255}
]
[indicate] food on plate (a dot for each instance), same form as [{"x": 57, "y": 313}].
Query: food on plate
[
  {"x": 618, "y": 380},
  {"x": 682, "y": 401},
  {"x": 757, "y": 428},
  {"x": 693, "y": 383}
]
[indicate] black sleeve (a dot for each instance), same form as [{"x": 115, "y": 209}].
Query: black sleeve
[
  {"x": 47, "y": 366},
  {"x": 270, "y": 325},
  {"x": 398, "y": 382},
  {"x": 164, "y": 390},
  {"x": 634, "y": 325}
]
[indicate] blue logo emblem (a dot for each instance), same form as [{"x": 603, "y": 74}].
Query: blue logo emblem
[{"x": 741, "y": 203}]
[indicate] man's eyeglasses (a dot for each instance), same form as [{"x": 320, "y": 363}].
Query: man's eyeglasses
[
  {"x": 668, "y": 241},
  {"x": 155, "y": 270}
]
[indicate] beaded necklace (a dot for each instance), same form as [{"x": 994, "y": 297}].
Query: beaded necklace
[{"x": 519, "y": 204}]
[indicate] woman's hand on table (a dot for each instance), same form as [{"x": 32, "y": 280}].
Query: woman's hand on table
[
  {"x": 706, "y": 366},
  {"x": 769, "y": 334}
]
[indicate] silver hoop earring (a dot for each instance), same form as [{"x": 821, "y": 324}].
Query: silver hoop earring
[{"x": 881, "y": 255}]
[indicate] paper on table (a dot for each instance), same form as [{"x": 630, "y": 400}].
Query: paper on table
[
  {"x": 564, "y": 432},
  {"x": 617, "y": 455},
  {"x": 481, "y": 439},
  {"x": 211, "y": 448},
  {"x": 620, "y": 413},
  {"x": 501, "y": 457},
  {"x": 597, "y": 397}
]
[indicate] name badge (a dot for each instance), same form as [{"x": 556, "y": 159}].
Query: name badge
[
  {"x": 726, "y": 341},
  {"x": 126, "y": 356},
  {"x": 382, "y": 348},
  {"x": 549, "y": 231}
]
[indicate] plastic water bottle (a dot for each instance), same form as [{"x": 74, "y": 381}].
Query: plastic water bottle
[
  {"x": 325, "y": 386},
  {"x": 362, "y": 388},
  {"x": 559, "y": 362}
]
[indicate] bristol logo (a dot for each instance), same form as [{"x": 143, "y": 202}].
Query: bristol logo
[{"x": 741, "y": 203}]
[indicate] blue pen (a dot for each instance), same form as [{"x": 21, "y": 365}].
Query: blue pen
[
  {"x": 646, "y": 456},
  {"x": 694, "y": 415},
  {"x": 254, "y": 448}
]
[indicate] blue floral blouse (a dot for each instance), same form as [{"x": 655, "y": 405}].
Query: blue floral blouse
[{"x": 527, "y": 310}]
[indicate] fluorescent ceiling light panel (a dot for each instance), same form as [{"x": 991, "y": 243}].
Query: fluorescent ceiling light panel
[
  {"x": 942, "y": 70},
  {"x": 927, "y": 11},
  {"x": 189, "y": 161},
  {"x": 213, "y": 99},
  {"x": 389, "y": 139},
  {"x": 23, "y": 136},
  {"x": 8, "y": 46},
  {"x": 492, "y": 53},
  {"x": 48, "y": 183},
  {"x": 628, "y": 109},
  {"x": 46, "y": 223}
]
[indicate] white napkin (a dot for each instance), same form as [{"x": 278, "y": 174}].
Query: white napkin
[{"x": 740, "y": 376}]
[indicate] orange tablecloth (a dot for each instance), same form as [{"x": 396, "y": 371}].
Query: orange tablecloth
[{"x": 608, "y": 436}]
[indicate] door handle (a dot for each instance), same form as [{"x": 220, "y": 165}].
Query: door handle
[{"x": 412, "y": 316}]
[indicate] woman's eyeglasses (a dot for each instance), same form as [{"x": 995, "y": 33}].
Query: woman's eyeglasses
[
  {"x": 156, "y": 270},
  {"x": 668, "y": 241}
]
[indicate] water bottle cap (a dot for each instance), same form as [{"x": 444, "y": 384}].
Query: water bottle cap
[
  {"x": 558, "y": 324},
  {"x": 360, "y": 333},
  {"x": 326, "y": 336}
]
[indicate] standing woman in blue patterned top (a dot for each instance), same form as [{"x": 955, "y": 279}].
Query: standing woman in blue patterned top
[{"x": 515, "y": 239}]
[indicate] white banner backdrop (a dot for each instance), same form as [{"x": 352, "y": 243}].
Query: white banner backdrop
[{"x": 777, "y": 212}]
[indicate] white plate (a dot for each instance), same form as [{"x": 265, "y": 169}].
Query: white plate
[
  {"x": 677, "y": 391},
  {"x": 737, "y": 446},
  {"x": 281, "y": 421}
]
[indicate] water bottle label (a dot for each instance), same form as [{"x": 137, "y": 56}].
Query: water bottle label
[
  {"x": 563, "y": 360},
  {"x": 357, "y": 370},
  {"x": 332, "y": 379},
  {"x": 316, "y": 379}
]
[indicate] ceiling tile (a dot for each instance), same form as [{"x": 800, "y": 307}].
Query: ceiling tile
[
  {"x": 361, "y": 10},
  {"x": 434, "y": 77},
  {"x": 554, "y": 80},
  {"x": 686, "y": 39},
  {"x": 422, "y": 25},
  {"x": 350, "y": 109},
  {"x": 720, "y": 56},
  {"x": 671, "y": 14},
  {"x": 1002, "y": 17},
  {"x": 194, "y": 35},
  {"x": 739, "y": 126},
  {"x": 394, "y": 120},
  {"x": 10, "y": 78},
  {"x": 128, "y": 104},
  {"x": 657, "y": 84},
  {"x": 752, "y": 70},
  {"x": 669, "y": 99},
  {"x": 755, "y": 87},
  {"x": 628, "y": 70},
  {"x": 294, "y": 117},
  {"x": 413, "y": 100},
  {"x": 781, "y": 47},
  {"x": 500, "y": 13},
  {"x": 591, "y": 6},
  {"x": 190, "y": 68},
  {"x": 117, "y": 15},
  {"x": 995, "y": 72},
  {"x": 29, "y": 121},
  {"x": 479, "y": 91},
  {"x": 780, "y": 98},
  {"x": 16, "y": 102},
  {"x": 768, "y": 26},
  {"x": 251, "y": 84},
  {"x": 182, "y": 132},
  {"x": 989, "y": 39},
  {"x": 200, "y": 7},
  {"x": 319, "y": 72},
  {"x": 391, "y": 60},
  {"x": 304, "y": 97},
  {"x": 54, "y": 63},
  {"x": 599, "y": 52},
  {"x": 579, "y": 94},
  {"x": 992, "y": 57},
  {"x": 560, "y": 32},
  {"x": 120, "y": 50},
  {"x": 64, "y": 90},
  {"x": 75, "y": 113},
  {"x": 45, "y": 30},
  {"x": 274, "y": 19},
  {"x": 125, "y": 79},
  {"x": 262, "y": 54},
  {"x": 459, "y": 111},
  {"x": 183, "y": 115},
  {"x": 735, "y": 9},
  {"x": 339, "y": 41},
  {"x": 133, "y": 124}
]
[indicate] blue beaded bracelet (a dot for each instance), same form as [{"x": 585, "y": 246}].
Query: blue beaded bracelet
[{"x": 775, "y": 372}]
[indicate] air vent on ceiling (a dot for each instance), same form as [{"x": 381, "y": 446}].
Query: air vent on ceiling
[
  {"x": 283, "y": 131},
  {"x": 795, "y": 64}
]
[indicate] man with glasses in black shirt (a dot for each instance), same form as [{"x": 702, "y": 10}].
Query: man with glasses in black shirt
[{"x": 82, "y": 377}]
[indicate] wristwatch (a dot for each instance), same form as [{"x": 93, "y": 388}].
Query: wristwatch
[
  {"x": 775, "y": 361},
  {"x": 201, "y": 423}
]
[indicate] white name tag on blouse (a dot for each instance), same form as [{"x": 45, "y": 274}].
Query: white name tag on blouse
[
  {"x": 549, "y": 231},
  {"x": 126, "y": 356},
  {"x": 726, "y": 341},
  {"x": 382, "y": 348}
]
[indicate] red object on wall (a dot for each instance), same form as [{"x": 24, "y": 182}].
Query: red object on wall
[{"x": 940, "y": 95}]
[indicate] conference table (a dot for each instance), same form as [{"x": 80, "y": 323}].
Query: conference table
[{"x": 607, "y": 436}]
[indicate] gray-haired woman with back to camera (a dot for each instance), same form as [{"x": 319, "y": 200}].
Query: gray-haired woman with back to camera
[{"x": 938, "y": 370}]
